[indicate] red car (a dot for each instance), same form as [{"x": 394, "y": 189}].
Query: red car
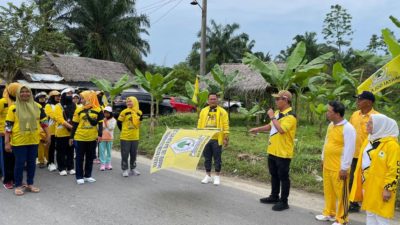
[{"x": 179, "y": 105}]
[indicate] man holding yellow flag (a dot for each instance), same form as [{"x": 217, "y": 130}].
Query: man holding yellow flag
[{"x": 214, "y": 117}]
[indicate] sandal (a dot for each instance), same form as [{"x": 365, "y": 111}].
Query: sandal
[
  {"x": 32, "y": 189},
  {"x": 19, "y": 191}
]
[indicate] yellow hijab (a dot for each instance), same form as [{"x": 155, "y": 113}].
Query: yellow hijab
[
  {"x": 11, "y": 90},
  {"x": 136, "y": 111},
  {"x": 90, "y": 98},
  {"x": 26, "y": 111}
]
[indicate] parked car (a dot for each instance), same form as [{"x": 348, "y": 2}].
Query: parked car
[
  {"x": 232, "y": 105},
  {"x": 144, "y": 99},
  {"x": 179, "y": 104}
]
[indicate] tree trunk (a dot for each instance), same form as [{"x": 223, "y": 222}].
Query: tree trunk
[
  {"x": 157, "y": 113},
  {"x": 151, "y": 130}
]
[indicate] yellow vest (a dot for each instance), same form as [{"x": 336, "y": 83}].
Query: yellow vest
[
  {"x": 383, "y": 174},
  {"x": 222, "y": 120},
  {"x": 359, "y": 122},
  {"x": 282, "y": 145},
  {"x": 333, "y": 147},
  {"x": 130, "y": 125}
]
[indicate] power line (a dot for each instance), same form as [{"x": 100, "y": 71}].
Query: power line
[
  {"x": 151, "y": 5},
  {"x": 165, "y": 14},
  {"x": 156, "y": 7}
]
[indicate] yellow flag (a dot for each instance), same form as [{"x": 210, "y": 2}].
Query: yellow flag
[
  {"x": 386, "y": 76},
  {"x": 196, "y": 91},
  {"x": 181, "y": 149}
]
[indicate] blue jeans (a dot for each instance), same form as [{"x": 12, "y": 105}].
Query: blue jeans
[
  {"x": 84, "y": 153},
  {"x": 24, "y": 155},
  {"x": 105, "y": 151},
  {"x": 1, "y": 156}
]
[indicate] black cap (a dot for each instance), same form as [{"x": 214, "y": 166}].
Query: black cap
[{"x": 366, "y": 95}]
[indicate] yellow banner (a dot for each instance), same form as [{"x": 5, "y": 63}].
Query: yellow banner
[
  {"x": 196, "y": 91},
  {"x": 386, "y": 76},
  {"x": 181, "y": 149}
]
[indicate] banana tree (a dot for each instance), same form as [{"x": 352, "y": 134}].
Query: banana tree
[
  {"x": 296, "y": 71},
  {"x": 113, "y": 89},
  {"x": 157, "y": 85},
  {"x": 391, "y": 42},
  {"x": 249, "y": 114},
  {"x": 202, "y": 96}
]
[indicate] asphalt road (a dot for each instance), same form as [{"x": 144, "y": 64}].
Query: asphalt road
[{"x": 163, "y": 198}]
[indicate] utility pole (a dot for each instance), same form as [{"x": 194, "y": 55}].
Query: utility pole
[{"x": 203, "y": 38}]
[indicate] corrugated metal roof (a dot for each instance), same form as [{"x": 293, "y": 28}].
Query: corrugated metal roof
[{"x": 44, "y": 86}]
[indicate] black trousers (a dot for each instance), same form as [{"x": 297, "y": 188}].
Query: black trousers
[
  {"x": 65, "y": 154},
  {"x": 9, "y": 165},
  {"x": 212, "y": 150},
  {"x": 84, "y": 153},
  {"x": 280, "y": 182},
  {"x": 52, "y": 150}
]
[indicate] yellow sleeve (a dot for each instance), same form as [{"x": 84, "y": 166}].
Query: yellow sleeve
[
  {"x": 49, "y": 111},
  {"x": 76, "y": 118},
  {"x": 393, "y": 165},
  {"x": 288, "y": 123},
  {"x": 121, "y": 116},
  {"x": 2, "y": 104},
  {"x": 58, "y": 114},
  {"x": 225, "y": 123},
  {"x": 11, "y": 114}
]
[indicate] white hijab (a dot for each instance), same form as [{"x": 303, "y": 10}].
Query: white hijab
[{"x": 383, "y": 126}]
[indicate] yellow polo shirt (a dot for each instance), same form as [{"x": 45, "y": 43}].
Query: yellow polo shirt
[
  {"x": 130, "y": 126},
  {"x": 282, "y": 145},
  {"x": 359, "y": 122},
  {"x": 86, "y": 131},
  {"x": 19, "y": 138},
  {"x": 49, "y": 110},
  {"x": 60, "y": 130}
]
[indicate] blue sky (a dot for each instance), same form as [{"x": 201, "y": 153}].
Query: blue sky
[{"x": 272, "y": 24}]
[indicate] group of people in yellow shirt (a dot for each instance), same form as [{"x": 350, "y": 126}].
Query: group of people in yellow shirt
[
  {"x": 32, "y": 130},
  {"x": 361, "y": 155}
]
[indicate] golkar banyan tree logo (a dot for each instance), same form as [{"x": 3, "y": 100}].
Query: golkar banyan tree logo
[{"x": 185, "y": 144}]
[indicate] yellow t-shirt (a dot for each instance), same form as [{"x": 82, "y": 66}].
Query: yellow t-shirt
[
  {"x": 333, "y": 148},
  {"x": 19, "y": 138},
  {"x": 85, "y": 130},
  {"x": 212, "y": 121},
  {"x": 130, "y": 127},
  {"x": 3, "y": 113},
  {"x": 282, "y": 145},
  {"x": 359, "y": 122},
  {"x": 49, "y": 110},
  {"x": 61, "y": 130}
]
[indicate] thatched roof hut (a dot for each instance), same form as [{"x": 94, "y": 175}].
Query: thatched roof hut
[
  {"x": 57, "y": 71},
  {"x": 247, "y": 81}
]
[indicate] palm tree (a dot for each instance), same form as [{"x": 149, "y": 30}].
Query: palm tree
[
  {"x": 107, "y": 29},
  {"x": 223, "y": 45}
]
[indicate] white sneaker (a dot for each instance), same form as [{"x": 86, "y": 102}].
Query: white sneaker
[
  {"x": 89, "y": 179},
  {"x": 135, "y": 172},
  {"x": 80, "y": 181},
  {"x": 217, "y": 180},
  {"x": 71, "y": 172},
  {"x": 325, "y": 218},
  {"x": 63, "y": 173},
  {"x": 51, "y": 167},
  {"x": 125, "y": 173},
  {"x": 336, "y": 223},
  {"x": 207, "y": 179}
]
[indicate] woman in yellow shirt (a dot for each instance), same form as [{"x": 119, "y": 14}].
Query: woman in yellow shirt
[
  {"x": 63, "y": 114},
  {"x": 23, "y": 122},
  {"x": 378, "y": 168},
  {"x": 54, "y": 99},
  {"x": 129, "y": 123},
  {"x": 8, "y": 158},
  {"x": 87, "y": 130}
]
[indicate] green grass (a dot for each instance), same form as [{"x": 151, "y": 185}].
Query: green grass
[{"x": 305, "y": 163}]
